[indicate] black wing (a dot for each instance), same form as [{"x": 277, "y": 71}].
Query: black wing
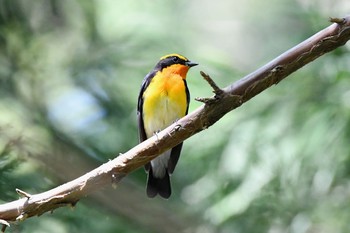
[
  {"x": 187, "y": 96},
  {"x": 175, "y": 152},
  {"x": 146, "y": 81}
]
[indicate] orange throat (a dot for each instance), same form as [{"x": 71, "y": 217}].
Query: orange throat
[{"x": 177, "y": 69}]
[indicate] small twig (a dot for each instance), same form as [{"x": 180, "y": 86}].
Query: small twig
[
  {"x": 23, "y": 194},
  {"x": 5, "y": 224},
  {"x": 216, "y": 89},
  {"x": 22, "y": 217},
  {"x": 339, "y": 21}
]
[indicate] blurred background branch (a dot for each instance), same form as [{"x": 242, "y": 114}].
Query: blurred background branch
[{"x": 70, "y": 72}]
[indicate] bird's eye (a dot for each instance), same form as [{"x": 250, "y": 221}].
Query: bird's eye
[{"x": 175, "y": 59}]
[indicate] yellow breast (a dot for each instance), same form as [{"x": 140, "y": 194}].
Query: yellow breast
[{"x": 164, "y": 102}]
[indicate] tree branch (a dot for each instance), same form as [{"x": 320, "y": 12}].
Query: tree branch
[{"x": 214, "y": 108}]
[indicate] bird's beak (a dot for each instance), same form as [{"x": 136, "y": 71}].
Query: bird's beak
[{"x": 190, "y": 64}]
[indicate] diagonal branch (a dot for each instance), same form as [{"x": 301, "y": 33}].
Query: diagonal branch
[{"x": 225, "y": 100}]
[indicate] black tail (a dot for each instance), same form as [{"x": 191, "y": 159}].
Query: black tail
[{"x": 159, "y": 186}]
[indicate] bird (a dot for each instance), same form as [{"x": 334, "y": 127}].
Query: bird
[{"x": 163, "y": 99}]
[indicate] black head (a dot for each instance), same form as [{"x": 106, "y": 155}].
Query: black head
[{"x": 172, "y": 59}]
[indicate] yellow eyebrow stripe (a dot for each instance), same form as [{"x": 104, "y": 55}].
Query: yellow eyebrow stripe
[{"x": 174, "y": 55}]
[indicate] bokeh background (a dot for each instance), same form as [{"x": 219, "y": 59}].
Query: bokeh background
[{"x": 70, "y": 73}]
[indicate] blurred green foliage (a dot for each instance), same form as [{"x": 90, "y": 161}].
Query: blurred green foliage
[{"x": 70, "y": 72}]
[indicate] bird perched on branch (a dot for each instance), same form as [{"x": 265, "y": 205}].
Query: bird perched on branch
[{"x": 163, "y": 99}]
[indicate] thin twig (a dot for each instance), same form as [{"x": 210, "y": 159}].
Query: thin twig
[
  {"x": 216, "y": 89},
  {"x": 4, "y": 224},
  {"x": 337, "y": 20},
  {"x": 23, "y": 194}
]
